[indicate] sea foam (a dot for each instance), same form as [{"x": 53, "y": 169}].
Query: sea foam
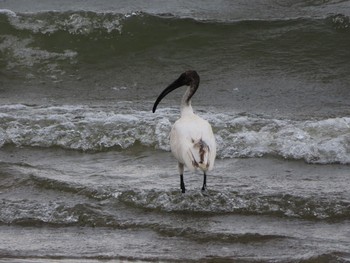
[{"x": 90, "y": 128}]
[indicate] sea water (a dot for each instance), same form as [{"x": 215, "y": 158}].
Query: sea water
[{"x": 86, "y": 172}]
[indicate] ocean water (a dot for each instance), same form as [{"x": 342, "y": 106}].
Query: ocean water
[{"x": 86, "y": 173}]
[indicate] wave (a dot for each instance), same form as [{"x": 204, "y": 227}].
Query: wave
[
  {"x": 70, "y": 36},
  {"x": 31, "y": 213},
  {"x": 87, "y": 22},
  {"x": 237, "y": 135},
  {"x": 328, "y": 257},
  {"x": 280, "y": 205},
  {"x": 88, "y": 205},
  {"x": 60, "y": 213}
]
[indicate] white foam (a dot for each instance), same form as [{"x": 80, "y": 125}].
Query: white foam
[
  {"x": 81, "y": 23},
  {"x": 85, "y": 128},
  {"x": 22, "y": 54},
  {"x": 8, "y": 12}
]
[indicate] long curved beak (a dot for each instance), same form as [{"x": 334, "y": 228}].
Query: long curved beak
[{"x": 176, "y": 84}]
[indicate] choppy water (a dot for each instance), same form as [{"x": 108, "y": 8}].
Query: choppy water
[{"x": 85, "y": 168}]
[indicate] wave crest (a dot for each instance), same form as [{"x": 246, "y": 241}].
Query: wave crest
[
  {"x": 29, "y": 212},
  {"x": 318, "y": 141},
  {"x": 231, "y": 202},
  {"x": 84, "y": 128},
  {"x": 82, "y": 22},
  {"x": 341, "y": 22}
]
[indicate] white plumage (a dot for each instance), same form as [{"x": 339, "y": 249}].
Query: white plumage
[
  {"x": 192, "y": 140},
  {"x": 189, "y": 137}
]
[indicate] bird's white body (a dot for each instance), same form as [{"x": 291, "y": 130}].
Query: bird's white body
[{"x": 185, "y": 135}]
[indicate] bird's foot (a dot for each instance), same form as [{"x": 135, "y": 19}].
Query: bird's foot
[{"x": 183, "y": 189}]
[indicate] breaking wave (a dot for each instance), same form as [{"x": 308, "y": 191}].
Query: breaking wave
[
  {"x": 237, "y": 135},
  {"x": 33, "y": 38}
]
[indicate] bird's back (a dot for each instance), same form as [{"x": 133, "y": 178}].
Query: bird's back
[{"x": 193, "y": 143}]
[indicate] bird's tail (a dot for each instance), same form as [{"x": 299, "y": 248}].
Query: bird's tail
[{"x": 200, "y": 155}]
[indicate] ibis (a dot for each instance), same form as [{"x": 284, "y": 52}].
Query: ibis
[{"x": 192, "y": 141}]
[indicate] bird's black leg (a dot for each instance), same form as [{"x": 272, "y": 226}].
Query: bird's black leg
[
  {"x": 204, "y": 182},
  {"x": 181, "y": 172},
  {"x": 182, "y": 184}
]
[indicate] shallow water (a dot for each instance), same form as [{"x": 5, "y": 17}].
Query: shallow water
[
  {"x": 86, "y": 172},
  {"x": 127, "y": 205}
]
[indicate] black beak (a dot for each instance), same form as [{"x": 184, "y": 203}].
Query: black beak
[{"x": 182, "y": 80}]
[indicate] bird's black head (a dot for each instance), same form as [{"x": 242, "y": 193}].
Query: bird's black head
[{"x": 188, "y": 78}]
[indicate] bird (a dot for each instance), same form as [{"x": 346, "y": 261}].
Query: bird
[{"x": 192, "y": 140}]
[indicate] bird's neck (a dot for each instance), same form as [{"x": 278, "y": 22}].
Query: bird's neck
[{"x": 186, "y": 107}]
